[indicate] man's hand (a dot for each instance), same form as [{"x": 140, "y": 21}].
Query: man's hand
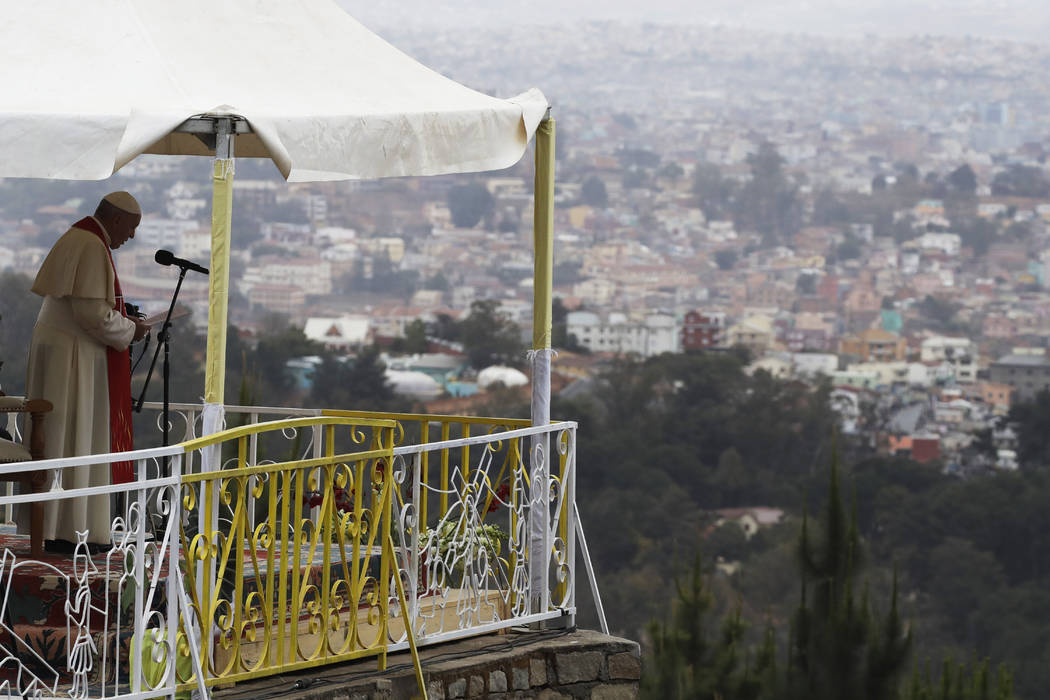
[{"x": 141, "y": 329}]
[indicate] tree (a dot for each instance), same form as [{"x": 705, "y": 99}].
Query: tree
[
  {"x": 961, "y": 682},
  {"x": 841, "y": 648},
  {"x": 725, "y": 259},
  {"x": 963, "y": 180},
  {"x": 560, "y": 337},
  {"x": 806, "y": 284},
  {"x": 672, "y": 171},
  {"x": 714, "y": 194},
  {"x": 690, "y": 661},
  {"x": 593, "y": 193},
  {"x": 976, "y": 232},
  {"x": 489, "y": 336},
  {"x": 963, "y": 576},
  {"x": 1032, "y": 421},
  {"x": 768, "y": 203},
  {"x": 354, "y": 383},
  {"x": 416, "y": 337},
  {"x": 849, "y": 249},
  {"x": 828, "y": 209},
  {"x": 634, "y": 179},
  {"x": 1021, "y": 181},
  {"x": 938, "y": 311},
  {"x": 270, "y": 360},
  {"x": 437, "y": 283},
  {"x": 445, "y": 327},
  {"x": 469, "y": 204},
  {"x": 637, "y": 158}
]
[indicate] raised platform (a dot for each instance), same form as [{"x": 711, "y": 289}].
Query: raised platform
[{"x": 517, "y": 664}]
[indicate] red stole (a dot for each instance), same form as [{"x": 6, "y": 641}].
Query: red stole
[{"x": 118, "y": 366}]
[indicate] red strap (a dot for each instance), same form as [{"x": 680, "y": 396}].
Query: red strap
[{"x": 118, "y": 369}]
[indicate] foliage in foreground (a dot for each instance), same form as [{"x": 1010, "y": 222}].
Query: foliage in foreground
[{"x": 840, "y": 646}]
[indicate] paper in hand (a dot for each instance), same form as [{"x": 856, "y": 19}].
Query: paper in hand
[{"x": 157, "y": 319}]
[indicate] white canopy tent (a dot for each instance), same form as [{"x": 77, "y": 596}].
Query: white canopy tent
[{"x": 90, "y": 86}]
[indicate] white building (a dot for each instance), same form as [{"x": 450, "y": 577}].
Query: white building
[
  {"x": 947, "y": 243},
  {"x": 957, "y": 355},
  {"x": 155, "y": 232},
  {"x": 312, "y": 275},
  {"x": 596, "y": 291},
  {"x": 809, "y": 364},
  {"x": 890, "y": 373},
  {"x": 615, "y": 332},
  {"x": 338, "y": 334}
]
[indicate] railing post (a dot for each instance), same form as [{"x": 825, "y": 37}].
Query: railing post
[
  {"x": 418, "y": 505},
  {"x": 173, "y": 579},
  {"x": 135, "y": 663}
]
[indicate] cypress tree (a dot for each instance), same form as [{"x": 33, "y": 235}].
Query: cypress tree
[{"x": 841, "y": 649}]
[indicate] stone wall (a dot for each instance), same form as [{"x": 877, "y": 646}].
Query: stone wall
[
  {"x": 546, "y": 665},
  {"x": 584, "y": 665}
]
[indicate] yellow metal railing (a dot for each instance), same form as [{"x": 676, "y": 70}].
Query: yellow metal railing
[
  {"x": 307, "y": 585},
  {"x": 423, "y": 429}
]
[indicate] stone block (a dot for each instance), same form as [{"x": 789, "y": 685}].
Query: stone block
[
  {"x": 537, "y": 672},
  {"x": 477, "y": 687},
  {"x": 457, "y": 688},
  {"x": 520, "y": 678},
  {"x": 435, "y": 690},
  {"x": 578, "y": 667},
  {"x": 549, "y": 694},
  {"x": 618, "y": 691},
  {"x": 625, "y": 665},
  {"x": 497, "y": 682}
]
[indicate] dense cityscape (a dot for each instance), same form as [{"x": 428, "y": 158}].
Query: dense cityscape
[{"x": 875, "y": 212}]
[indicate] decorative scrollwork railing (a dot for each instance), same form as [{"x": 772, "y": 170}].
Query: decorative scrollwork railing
[{"x": 232, "y": 558}]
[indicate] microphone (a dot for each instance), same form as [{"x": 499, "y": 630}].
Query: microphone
[{"x": 166, "y": 257}]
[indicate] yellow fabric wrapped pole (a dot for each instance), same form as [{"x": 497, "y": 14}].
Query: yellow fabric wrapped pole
[
  {"x": 543, "y": 236},
  {"x": 213, "y": 417},
  {"x": 219, "y": 279}
]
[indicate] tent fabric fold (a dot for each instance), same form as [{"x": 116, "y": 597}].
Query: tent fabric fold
[{"x": 89, "y": 86}]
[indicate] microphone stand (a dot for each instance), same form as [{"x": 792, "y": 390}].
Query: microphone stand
[{"x": 163, "y": 339}]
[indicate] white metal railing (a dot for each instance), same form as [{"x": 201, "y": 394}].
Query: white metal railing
[
  {"x": 110, "y": 605},
  {"x": 466, "y": 562},
  {"x": 460, "y": 513}
]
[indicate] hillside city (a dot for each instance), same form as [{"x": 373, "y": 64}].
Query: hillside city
[{"x": 873, "y": 213}]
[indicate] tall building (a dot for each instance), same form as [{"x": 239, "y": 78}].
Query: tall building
[
  {"x": 703, "y": 329},
  {"x": 615, "y": 332},
  {"x": 1027, "y": 374}
]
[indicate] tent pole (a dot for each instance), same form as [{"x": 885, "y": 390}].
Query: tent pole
[
  {"x": 219, "y": 279},
  {"x": 542, "y": 290}
]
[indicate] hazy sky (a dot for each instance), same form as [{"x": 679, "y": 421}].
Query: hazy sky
[{"x": 1027, "y": 20}]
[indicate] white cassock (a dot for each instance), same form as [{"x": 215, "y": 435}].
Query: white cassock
[{"x": 67, "y": 366}]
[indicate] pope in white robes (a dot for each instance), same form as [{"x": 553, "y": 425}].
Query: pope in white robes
[{"x": 79, "y": 338}]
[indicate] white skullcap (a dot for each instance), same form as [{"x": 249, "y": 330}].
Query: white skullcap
[{"x": 124, "y": 201}]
